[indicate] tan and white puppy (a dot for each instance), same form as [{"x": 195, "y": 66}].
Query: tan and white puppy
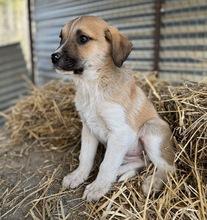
[{"x": 113, "y": 110}]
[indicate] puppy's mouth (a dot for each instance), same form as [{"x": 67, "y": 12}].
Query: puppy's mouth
[
  {"x": 71, "y": 69},
  {"x": 64, "y": 64},
  {"x": 78, "y": 71}
]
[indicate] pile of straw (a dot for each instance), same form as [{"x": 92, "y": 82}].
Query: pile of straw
[{"x": 48, "y": 119}]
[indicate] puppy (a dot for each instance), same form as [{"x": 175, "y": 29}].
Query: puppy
[{"x": 113, "y": 110}]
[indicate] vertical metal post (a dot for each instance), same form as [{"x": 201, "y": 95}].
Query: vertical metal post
[
  {"x": 158, "y": 6},
  {"x": 29, "y": 5}
]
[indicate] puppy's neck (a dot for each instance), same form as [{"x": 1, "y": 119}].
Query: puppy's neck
[
  {"x": 110, "y": 77},
  {"x": 106, "y": 79}
]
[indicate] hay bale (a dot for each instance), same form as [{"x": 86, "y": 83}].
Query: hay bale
[{"x": 48, "y": 119}]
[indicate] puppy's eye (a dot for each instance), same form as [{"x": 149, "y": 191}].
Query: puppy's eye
[{"x": 83, "y": 39}]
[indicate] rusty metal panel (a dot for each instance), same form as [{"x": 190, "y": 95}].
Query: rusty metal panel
[{"x": 183, "y": 44}]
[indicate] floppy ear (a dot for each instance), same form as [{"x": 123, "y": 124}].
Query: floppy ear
[{"x": 120, "y": 46}]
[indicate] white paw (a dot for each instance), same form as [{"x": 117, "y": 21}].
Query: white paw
[
  {"x": 74, "y": 179},
  {"x": 96, "y": 190},
  {"x": 157, "y": 184}
]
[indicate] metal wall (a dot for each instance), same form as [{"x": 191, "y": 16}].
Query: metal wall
[
  {"x": 134, "y": 18},
  {"x": 183, "y": 40},
  {"x": 12, "y": 70},
  {"x": 179, "y": 47}
]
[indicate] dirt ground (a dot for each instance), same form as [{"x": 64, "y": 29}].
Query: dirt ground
[{"x": 30, "y": 180}]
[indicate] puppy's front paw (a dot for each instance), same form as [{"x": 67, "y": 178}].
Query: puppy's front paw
[
  {"x": 74, "y": 179},
  {"x": 96, "y": 190},
  {"x": 157, "y": 184}
]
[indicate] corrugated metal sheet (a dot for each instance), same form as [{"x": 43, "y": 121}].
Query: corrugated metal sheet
[
  {"x": 133, "y": 18},
  {"x": 183, "y": 34},
  {"x": 12, "y": 69},
  {"x": 183, "y": 52}
]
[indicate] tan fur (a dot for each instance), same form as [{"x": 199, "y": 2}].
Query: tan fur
[
  {"x": 113, "y": 109},
  {"x": 132, "y": 98}
]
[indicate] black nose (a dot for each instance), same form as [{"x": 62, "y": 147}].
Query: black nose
[{"x": 55, "y": 57}]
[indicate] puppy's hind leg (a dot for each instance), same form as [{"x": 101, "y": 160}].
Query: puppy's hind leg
[
  {"x": 129, "y": 169},
  {"x": 156, "y": 139}
]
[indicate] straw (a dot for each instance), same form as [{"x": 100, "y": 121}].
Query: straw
[{"x": 47, "y": 122}]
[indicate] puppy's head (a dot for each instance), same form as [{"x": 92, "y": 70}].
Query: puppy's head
[{"x": 88, "y": 42}]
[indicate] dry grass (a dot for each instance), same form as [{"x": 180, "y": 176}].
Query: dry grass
[
  {"x": 46, "y": 123},
  {"x": 37, "y": 117}
]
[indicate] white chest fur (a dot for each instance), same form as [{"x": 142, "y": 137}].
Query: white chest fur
[
  {"x": 103, "y": 116},
  {"x": 89, "y": 104}
]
